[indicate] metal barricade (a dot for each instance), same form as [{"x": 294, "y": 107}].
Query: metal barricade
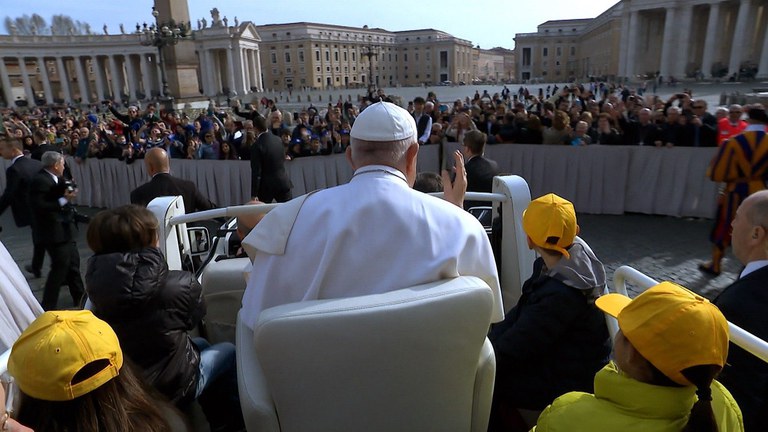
[{"x": 739, "y": 336}]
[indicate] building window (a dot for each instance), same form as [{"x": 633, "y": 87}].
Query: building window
[
  {"x": 428, "y": 56},
  {"x": 273, "y": 56},
  {"x": 276, "y": 82},
  {"x": 416, "y": 58},
  {"x": 335, "y": 56},
  {"x": 287, "y": 57},
  {"x": 337, "y": 79},
  {"x": 301, "y": 56},
  {"x": 353, "y": 56},
  {"x": 319, "y": 80},
  {"x": 559, "y": 51},
  {"x": 303, "y": 81},
  {"x": 405, "y": 57},
  {"x": 526, "y": 56},
  {"x": 327, "y": 55},
  {"x": 317, "y": 55},
  {"x": 573, "y": 50},
  {"x": 544, "y": 52},
  {"x": 288, "y": 70},
  {"x": 318, "y": 68},
  {"x": 444, "y": 59},
  {"x": 345, "y": 56}
]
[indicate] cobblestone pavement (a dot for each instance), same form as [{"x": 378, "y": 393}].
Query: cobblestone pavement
[{"x": 664, "y": 248}]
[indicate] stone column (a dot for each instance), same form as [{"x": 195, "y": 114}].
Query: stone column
[
  {"x": 246, "y": 59},
  {"x": 63, "y": 79},
  {"x": 240, "y": 70},
  {"x": 98, "y": 73},
  {"x": 683, "y": 40},
  {"x": 6, "y": 83},
  {"x": 632, "y": 51},
  {"x": 82, "y": 82},
  {"x": 737, "y": 46},
  {"x": 146, "y": 80},
  {"x": 259, "y": 76},
  {"x": 114, "y": 77},
  {"x": 207, "y": 72},
  {"x": 624, "y": 52},
  {"x": 133, "y": 84},
  {"x": 46, "y": 81},
  {"x": 668, "y": 46},
  {"x": 25, "y": 79},
  {"x": 712, "y": 36},
  {"x": 231, "y": 72},
  {"x": 762, "y": 69}
]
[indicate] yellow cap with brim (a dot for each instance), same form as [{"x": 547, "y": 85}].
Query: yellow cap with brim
[
  {"x": 672, "y": 327},
  {"x": 551, "y": 217},
  {"x": 48, "y": 355}
]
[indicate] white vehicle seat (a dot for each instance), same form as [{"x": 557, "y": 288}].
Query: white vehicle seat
[
  {"x": 223, "y": 286},
  {"x": 414, "y": 359}
]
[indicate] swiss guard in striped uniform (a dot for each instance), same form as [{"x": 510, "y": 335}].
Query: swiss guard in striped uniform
[{"x": 742, "y": 164}]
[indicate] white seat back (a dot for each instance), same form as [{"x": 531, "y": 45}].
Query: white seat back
[
  {"x": 223, "y": 285},
  {"x": 408, "y": 360}
]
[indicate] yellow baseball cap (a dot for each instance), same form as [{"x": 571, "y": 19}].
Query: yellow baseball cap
[
  {"x": 672, "y": 327},
  {"x": 48, "y": 355},
  {"x": 551, "y": 217}
]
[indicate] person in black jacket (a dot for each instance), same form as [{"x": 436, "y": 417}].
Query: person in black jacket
[
  {"x": 744, "y": 303},
  {"x": 269, "y": 178},
  {"x": 18, "y": 177},
  {"x": 555, "y": 339},
  {"x": 50, "y": 198},
  {"x": 480, "y": 170},
  {"x": 153, "y": 309},
  {"x": 164, "y": 184}
]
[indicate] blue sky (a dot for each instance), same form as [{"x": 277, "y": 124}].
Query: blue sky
[{"x": 486, "y": 23}]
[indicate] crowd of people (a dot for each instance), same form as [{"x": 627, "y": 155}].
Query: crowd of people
[
  {"x": 595, "y": 113},
  {"x": 555, "y": 372}
]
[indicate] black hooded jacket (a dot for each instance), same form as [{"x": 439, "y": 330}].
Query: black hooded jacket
[{"x": 151, "y": 310}]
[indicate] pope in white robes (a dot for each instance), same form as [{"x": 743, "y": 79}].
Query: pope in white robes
[{"x": 372, "y": 235}]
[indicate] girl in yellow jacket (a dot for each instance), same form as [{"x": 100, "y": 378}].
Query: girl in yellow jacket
[{"x": 671, "y": 345}]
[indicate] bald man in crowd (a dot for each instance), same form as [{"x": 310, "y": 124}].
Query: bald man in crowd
[
  {"x": 372, "y": 235},
  {"x": 744, "y": 303},
  {"x": 164, "y": 184}
]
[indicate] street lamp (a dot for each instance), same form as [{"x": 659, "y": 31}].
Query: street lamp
[
  {"x": 161, "y": 35},
  {"x": 370, "y": 51}
]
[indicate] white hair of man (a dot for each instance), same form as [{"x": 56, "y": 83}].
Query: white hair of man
[
  {"x": 51, "y": 158},
  {"x": 673, "y": 109}
]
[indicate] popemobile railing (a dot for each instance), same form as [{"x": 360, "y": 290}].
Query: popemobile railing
[
  {"x": 511, "y": 192},
  {"x": 739, "y": 336}
]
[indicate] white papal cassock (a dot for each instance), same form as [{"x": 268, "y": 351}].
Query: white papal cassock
[
  {"x": 372, "y": 235},
  {"x": 18, "y": 306}
]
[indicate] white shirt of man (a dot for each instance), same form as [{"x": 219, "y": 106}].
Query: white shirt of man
[{"x": 372, "y": 235}]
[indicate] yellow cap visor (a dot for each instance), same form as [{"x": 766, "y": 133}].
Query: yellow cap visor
[{"x": 612, "y": 304}]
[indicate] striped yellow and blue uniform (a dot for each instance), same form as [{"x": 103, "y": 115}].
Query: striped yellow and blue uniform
[{"x": 742, "y": 164}]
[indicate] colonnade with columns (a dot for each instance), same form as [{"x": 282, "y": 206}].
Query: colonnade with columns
[
  {"x": 227, "y": 69},
  {"x": 84, "y": 78},
  {"x": 682, "y": 37}
]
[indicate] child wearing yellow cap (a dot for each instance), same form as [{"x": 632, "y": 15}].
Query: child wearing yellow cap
[
  {"x": 69, "y": 368},
  {"x": 555, "y": 339},
  {"x": 671, "y": 346}
]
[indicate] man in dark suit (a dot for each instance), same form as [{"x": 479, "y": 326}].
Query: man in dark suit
[
  {"x": 745, "y": 303},
  {"x": 50, "y": 199},
  {"x": 18, "y": 176},
  {"x": 480, "y": 170},
  {"x": 164, "y": 184},
  {"x": 269, "y": 178}
]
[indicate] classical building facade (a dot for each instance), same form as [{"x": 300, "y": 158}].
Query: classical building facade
[
  {"x": 312, "y": 55},
  {"x": 643, "y": 38},
  {"x": 87, "y": 69}
]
